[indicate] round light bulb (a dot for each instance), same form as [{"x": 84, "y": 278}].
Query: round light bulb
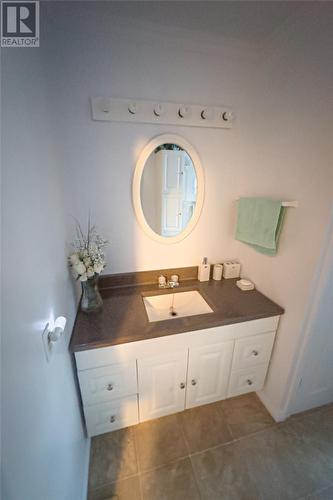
[
  {"x": 133, "y": 108},
  {"x": 207, "y": 114},
  {"x": 184, "y": 111},
  {"x": 105, "y": 105},
  {"x": 228, "y": 116},
  {"x": 159, "y": 110}
]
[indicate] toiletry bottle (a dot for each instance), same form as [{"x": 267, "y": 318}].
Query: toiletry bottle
[{"x": 204, "y": 270}]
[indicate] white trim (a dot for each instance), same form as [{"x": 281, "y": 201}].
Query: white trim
[
  {"x": 275, "y": 412},
  {"x": 144, "y": 155},
  {"x": 325, "y": 261},
  {"x": 132, "y": 110}
]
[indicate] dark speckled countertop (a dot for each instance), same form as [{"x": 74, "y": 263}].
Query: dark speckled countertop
[{"x": 124, "y": 319}]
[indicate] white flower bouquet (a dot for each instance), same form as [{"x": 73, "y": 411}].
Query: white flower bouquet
[{"x": 88, "y": 260}]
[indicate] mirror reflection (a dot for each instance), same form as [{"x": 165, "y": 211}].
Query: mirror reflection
[{"x": 168, "y": 190}]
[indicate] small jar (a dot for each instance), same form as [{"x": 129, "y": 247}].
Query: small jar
[{"x": 217, "y": 272}]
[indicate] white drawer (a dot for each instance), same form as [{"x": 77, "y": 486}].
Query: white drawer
[
  {"x": 108, "y": 383},
  {"x": 107, "y": 417},
  {"x": 247, "y": 380},
  {"x": 253, "y": 351}
]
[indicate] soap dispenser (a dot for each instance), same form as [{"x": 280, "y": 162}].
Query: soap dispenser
[{"x": 204, "y": 270}]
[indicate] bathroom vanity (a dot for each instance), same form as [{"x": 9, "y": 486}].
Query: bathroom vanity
[{"x": 131, "y": 369}]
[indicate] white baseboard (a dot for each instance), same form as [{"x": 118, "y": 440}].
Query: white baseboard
[
  {"x": 277, "y": 413},
  {"x": 86, "y": 472}
]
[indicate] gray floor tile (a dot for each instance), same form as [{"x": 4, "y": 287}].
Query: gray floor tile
[
  {"x": 204, "y": 427},
  {"x": 175, "y": 481},
  {"x": 316, "y": 432},
  {"x": 284, "y": 465},
  {"x": 271, "y": 465},
  {"x": 224, "y": 474},
  {"x": 127, "y": 489},
  {"x": 112, "y": 457},
  {"x": 327, "y": 412},
  {"x": 306, "y": 413},
  {"x": 159, "y": 442},
  {"x": 326, "y": 494},
  {"x": 246, "y": 415},
  {"x": 243, "y": 400},
  {"x": 303, "y": 414},
  {"x": 286, "y": 461}
]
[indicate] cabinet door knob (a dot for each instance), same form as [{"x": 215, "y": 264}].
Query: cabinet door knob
[
  {"x": 255, "y": 353},
  {"x": 110, "y": 387},
  {"x": 112, "y": 419},
  {"x": 249, "y": 382},
  {"x": 182, "y": 385},
  {"x": 193, "y": 381}
]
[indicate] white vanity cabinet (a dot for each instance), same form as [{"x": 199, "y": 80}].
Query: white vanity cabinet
[{"x": 125, "y": 384}]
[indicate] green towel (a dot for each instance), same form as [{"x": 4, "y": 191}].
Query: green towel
[{"x": 259, "y": 223}]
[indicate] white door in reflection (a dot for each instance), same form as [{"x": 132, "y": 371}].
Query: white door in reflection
[{"x": 168, "y": 191}]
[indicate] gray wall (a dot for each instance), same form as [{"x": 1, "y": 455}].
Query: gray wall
[
  {"x": 44, "y": 451},
  {"x": 280, "y": 145}
]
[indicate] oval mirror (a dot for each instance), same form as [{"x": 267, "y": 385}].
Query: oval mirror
[{"x": 168, "y": 188}]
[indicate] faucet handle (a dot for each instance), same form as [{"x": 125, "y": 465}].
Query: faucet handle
[
  {"x": 162, "y": 281},
  {"x": 173, "y": 282}
]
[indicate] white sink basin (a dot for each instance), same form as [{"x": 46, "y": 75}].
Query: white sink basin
[{"x": 175, "y": 305}]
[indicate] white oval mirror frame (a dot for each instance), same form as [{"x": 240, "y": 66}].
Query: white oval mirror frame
[{"x": 136, "y": 188}]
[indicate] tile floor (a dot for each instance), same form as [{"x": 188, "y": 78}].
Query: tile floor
[{"x": 230, "y": 450}]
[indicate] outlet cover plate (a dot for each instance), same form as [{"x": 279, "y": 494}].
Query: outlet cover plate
[{"x": 46, "y": 343}]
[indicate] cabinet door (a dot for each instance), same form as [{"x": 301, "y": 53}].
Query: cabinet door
[
  {"x": 162, "y": 384},
  {"x": 208, "y": 373}
]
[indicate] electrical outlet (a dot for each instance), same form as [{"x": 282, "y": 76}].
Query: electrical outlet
[{"x": 50, "y": 337}]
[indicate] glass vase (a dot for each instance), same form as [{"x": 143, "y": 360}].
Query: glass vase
[{"x": 91, "y": 298}]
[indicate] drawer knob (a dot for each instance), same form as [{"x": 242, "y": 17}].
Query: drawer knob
[
  {"x": 255, "y": 353},
  {"x": 112, "y": 419},
  {"x": 182, "y": 385},
  {"x": 110, "y": 387},
  {"x": 249, "y": 382},
  {"x": 193, "y": 381}
]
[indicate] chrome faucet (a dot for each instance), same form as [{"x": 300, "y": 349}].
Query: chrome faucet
[{"x": 173, "y": 282}]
